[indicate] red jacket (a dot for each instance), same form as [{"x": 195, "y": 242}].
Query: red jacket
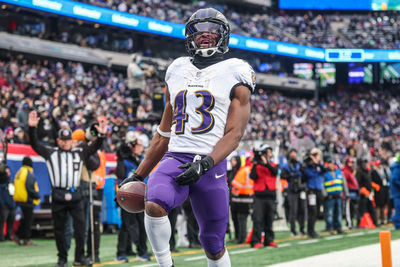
[
  {"x": 264, "y": 180},
  {"x": 351, "y": 179}
]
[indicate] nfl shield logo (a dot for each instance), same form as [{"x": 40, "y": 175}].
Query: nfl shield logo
[
  {"x": 68, "y": 196},
  {"x": 198, "y": 74}
]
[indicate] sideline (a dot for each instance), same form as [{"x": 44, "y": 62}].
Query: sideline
[{"x": 324, "y": 235}]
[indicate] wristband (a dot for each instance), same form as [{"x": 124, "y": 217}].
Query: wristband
[{"x": 163, "y": 134}]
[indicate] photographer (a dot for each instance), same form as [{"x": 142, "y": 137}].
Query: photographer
[
  {"x": 132, "y": 227},
  {"x": 8, "y": 207},
  {"x": 137, "y": 80},
  {"x": 263, "y": 173},
  {"x": 88, "y": 179},
  {"x": 313, "y": 174},
  {"x": 292, "y": 172}
]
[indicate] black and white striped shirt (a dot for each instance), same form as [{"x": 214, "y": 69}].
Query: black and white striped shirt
[{"x": 64, "y": 166}]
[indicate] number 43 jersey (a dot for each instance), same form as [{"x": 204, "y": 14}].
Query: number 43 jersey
[{"x": 200, "y": 99}]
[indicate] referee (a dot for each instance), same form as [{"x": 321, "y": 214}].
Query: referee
[{"x": 64, "y": 165}]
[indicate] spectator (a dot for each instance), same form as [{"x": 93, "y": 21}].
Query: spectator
[
  {"x": 5, "y": 119},
  {"x": 380, "y": 175},
  {"x": 263, "y": 173},
  {"x": 367, "y": 195},
  {"x": 7, "y": 204},
  {"x": 19, "y": 136},
  {"x": 26, "y": 196},
  {"x": 22, "y": 116},
  {"x": 354, "y": 192}
]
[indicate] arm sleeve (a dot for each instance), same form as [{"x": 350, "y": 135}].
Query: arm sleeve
[
  {"x": 92, "y": 148},
  {"x": 253, "y": 173},
  {"x": 92, "y": 162},
  {"x": 121, "y": 170},
  {"x": 345, "y": 187},
  {"x": 285, "y": 173},
  {"x": 36, "y": 145},
  {"x": 272, "y": 169}
]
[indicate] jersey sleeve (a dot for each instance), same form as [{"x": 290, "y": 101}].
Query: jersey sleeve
[{"x": 245, "y": 75}]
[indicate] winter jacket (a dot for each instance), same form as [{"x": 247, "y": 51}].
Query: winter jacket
[
  {"x": 264, "y": 177},
  {"x": 26, "y": 188},
  {"x": 314, "y": 176},
  {"x": 292, "y": 172},
  {"x": 351, "y": 179}
]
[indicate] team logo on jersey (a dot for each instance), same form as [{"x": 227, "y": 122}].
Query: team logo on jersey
[{"x": 253, "y": 78}]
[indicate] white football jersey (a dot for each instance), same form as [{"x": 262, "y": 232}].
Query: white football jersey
[{"x": 200, "y": 99}]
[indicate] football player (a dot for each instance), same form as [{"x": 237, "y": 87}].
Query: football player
[{"x": 206, "y": 112}]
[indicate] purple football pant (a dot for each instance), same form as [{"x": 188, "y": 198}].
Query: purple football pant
[{"x": 209, "y": 197}]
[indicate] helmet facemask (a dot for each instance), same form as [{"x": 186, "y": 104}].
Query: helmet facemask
[{"x": 205, "y": 37}]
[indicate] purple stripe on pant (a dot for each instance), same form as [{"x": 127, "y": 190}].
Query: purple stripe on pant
[{"x": 209, "y": 197}]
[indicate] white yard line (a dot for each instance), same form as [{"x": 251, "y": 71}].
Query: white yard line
[
  {"x": 146, "y": 265},
  {"x": 373, "y": 231},
  {"x": 356, "y": 234},
  {"x": 308, "y": 241},
  {"x": 195, "y": 258},
  {"x": 242, "y": 251},
  {"x": 333, "y": 237},
  {"x": 284, "y": 245}
]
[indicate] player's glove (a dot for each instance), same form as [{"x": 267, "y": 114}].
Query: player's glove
[
  {"x": 194, "y": 170},
  {"x": 133, "y": 177}
]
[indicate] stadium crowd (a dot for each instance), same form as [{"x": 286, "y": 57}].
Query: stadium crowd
[
  {"x": 72, "y": 95},
  {"x": 372, "y": 30},
  {"x": 346, "y": 124},
  {"x": 67, "y": 96}
]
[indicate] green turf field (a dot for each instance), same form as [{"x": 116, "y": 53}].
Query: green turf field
[{"x": 44, "y": 254}]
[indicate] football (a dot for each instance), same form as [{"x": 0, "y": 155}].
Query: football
[{"x": 130, "y": 196}]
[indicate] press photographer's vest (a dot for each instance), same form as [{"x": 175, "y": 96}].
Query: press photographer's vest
[{"x": 265, "y": 179}]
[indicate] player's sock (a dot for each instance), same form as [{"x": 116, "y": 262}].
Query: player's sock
[
  {"x": 158, "y": 230},
  {"x": 224, "y": 261}
]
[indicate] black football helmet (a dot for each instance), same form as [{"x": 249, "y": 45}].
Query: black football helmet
[{"x": 211, "y": 21}]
